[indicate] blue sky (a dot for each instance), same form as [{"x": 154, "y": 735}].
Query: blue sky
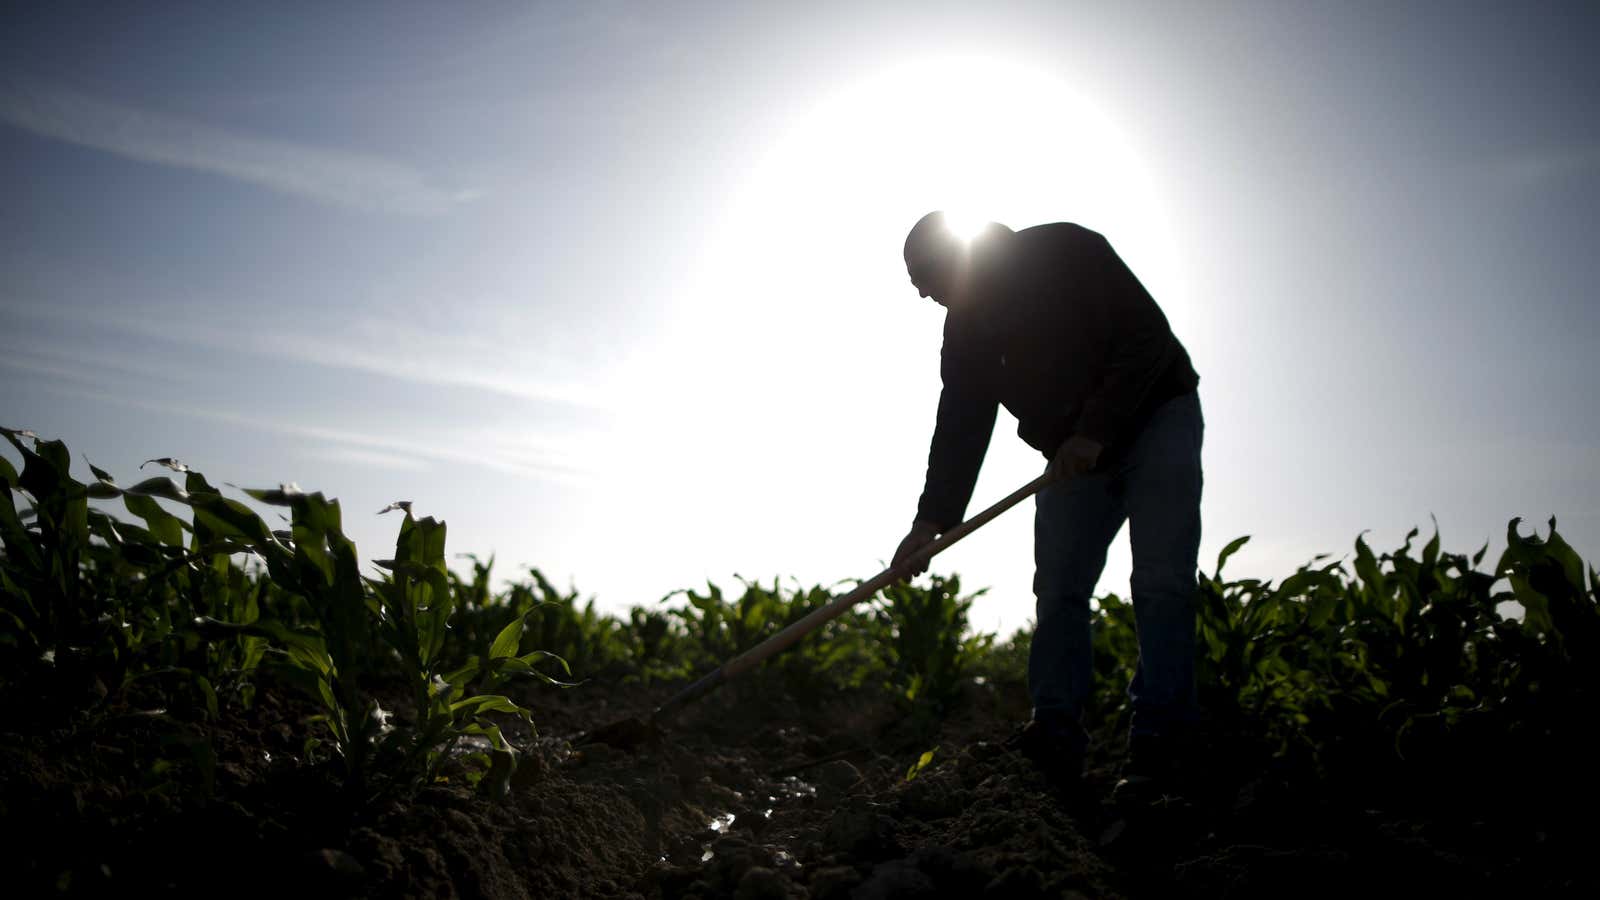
[{"x": 615, "y": 289}]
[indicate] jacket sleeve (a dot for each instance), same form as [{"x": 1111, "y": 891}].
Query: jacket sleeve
[{"x": 967, "y": 410}]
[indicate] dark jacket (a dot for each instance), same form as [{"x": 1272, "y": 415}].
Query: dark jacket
[{"x": 1059, "y": 330}]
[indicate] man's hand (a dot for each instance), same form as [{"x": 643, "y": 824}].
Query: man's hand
[
  {"x": 1076, "y": 457},
  {"x": 921, "y": 535}
]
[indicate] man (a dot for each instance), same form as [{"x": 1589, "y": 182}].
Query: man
[{"x": 1051, "y": 323}]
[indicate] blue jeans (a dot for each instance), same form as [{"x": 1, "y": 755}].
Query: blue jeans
[{"x": 1155, "y": 486}]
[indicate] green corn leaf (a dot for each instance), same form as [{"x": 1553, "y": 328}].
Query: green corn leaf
[
  {"x": 282, "y": 495},
  {"x": 509, "y": 639},
  {"x": 1557, "y": 548},
  {"x": 1367, "y": 568},
  {"x": 160, "y": 486},
  {"x": 166, "y": 462},
  {"x": 496, "y": 782},
  {"x": 100, "y": 473},
  {"x": 14, "y": 533},
  {"x": 208, "y": 692},
  {"x": 529, "y": 658},
  {"x": 1232, "y": 547},
  {"x": 1322, "y": 609},
  {"x": 195, "y": 483},
  {"x": 110, "y": 530},
  {"x": 1405, "y": 547},
  {"x": 14, "y": 624},
  {"x": 486, "y": 703},
  {"x": 317, "y": 514},
  {"x": 498, "y": 669},
  {"x": 8, "y": 473},
  {"x": 464, "y": 674},
  {"x": 922, "y": 762},
  {"x": 166, "y": 527},
  {"x": 272, "y": 630}
]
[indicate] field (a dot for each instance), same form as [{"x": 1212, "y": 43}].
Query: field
[{"x": 198, "y": 702}]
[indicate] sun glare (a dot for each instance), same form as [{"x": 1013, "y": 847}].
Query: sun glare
[
  {"x": 964, "y": 224},
  {"x": 809, "y": 249},
  {"x": 800, "y": 300},
  {"x": 985, "y": 139}
]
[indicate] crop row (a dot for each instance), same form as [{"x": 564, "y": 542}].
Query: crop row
[{"x": 1377, "y": 662}]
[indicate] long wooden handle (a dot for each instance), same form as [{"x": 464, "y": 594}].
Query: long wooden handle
[{"x": 788, "y": 636}]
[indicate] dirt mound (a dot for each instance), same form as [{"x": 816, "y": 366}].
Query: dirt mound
[{"x": 754, "y": 794}]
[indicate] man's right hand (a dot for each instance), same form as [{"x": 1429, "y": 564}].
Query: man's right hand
[{"x": 921, "y": 535}]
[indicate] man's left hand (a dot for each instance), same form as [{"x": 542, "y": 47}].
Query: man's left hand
[{"x": 1077, "y": 456}]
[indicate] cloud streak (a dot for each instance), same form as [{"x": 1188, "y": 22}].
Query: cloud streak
[
  {"x": 563, "y": 460},
  {"x": 60, "y": 360},
  {"x": 341, "y": 178},
  {"x": 393, "y": 350},
  {"x": 368, "y": 458}
]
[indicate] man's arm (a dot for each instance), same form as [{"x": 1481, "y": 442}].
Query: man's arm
[{"x": 967, "y": 410}]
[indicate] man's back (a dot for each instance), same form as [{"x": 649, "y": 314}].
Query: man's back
[{"x": 1063, "y": 334}]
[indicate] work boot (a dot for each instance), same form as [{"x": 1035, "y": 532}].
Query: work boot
[
  {"x": 1054, "y": 753},
  {"x": 1153, "y": 774}
]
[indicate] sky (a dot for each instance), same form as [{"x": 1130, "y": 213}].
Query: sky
[{"x": 615, "y": 289}]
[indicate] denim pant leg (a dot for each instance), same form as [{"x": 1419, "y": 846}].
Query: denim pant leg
[
  {"x": 1074, "y": 522},
  {"x": 1162, "y": 482}
]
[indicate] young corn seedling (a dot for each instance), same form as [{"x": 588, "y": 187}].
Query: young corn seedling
[
  {"x": 415, "y": 603},
  {"x": 928, "y": 649}
]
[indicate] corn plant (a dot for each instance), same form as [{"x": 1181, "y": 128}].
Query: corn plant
[
  {"x": 845, "y": 653},
  {"x": 1114, "y": 639},
  {"x": 1401, "y": 662},
  {"x": 720, "y": 629},
  {"x": 657, "y": 646},
  {"x": 1006, "y": 662},
  {"x": 415, "y": 603},
  {"x": 923, "y": 761},
  {"x": 91, "y": 600},
  {"x": 405, "y": 614},
  {"x": 928, "y": 649},
  {"x": 839, "y": 654},
  {"x": 589, "y": 642}
]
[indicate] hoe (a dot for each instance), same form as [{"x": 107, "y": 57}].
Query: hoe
[{"x": 631, "y": 732}]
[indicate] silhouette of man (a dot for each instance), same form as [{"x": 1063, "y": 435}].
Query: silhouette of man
[{"x": 1051, "y": 323}]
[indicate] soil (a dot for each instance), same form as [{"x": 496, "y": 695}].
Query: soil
[{"x": 752, "y": 794}]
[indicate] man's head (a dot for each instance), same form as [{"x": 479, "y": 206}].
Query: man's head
[{"x": 938, "y": 258}]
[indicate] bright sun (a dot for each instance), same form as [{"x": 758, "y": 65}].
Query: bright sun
[
  {"x": 799, "y": 364},
  {"x": 964, "y": 224},
  {"x": 801, "y": 312},
  {"x": 983, "y": 139}
]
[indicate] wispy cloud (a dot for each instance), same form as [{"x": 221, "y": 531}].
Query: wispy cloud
[
  {"x": 45, "y": 357},
  {"x": 369, "y": 458},
  {"x": 492, "y": 362},
  {"x": 49, "y": 368},
  {"x": 353, "y": 180},
  {"x": 412, "y": 355},
  {"x": 561, "y": 458}
]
